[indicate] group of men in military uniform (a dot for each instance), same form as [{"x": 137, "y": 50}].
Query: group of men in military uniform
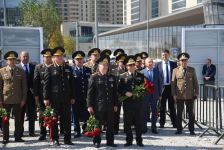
[{"x": 94, "y": 88}]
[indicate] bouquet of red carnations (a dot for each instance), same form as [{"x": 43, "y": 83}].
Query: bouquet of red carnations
[
  {"x": 4, "y": 115},
  {"x": 48, "y": 116},
  {"x": 92, "y": 129}
]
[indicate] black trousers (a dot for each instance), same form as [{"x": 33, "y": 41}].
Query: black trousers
[
  {"x": 80, "y": 113},
  {"x": 64, "y": 110},
  {"x": 189, "y": 109},
  {"x": 167, "y": 95},
  {"x": 18, "y": 126},
  {"x": 108, "y": 118},
  {"x": 133, "y": 117},
  {"x": 117, "y": 118},
  {"x": 30, "y": 106}
]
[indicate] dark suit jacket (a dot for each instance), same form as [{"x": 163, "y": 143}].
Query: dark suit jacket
[
  {"x": 209, "y": 72},
  {"x": 30, "y": 77},
  {"x": 156, "y": 80},
  {"x": 80, "y": 82},
  {"x": 159, "y": 67}
]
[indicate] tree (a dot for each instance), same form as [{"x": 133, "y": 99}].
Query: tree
[
  {"x": 69, "y": 44},
  {"x": 42, "y": 13}
]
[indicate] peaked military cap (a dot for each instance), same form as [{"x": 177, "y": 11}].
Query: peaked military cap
[
  {"x": 129, "y": 60},
  {"x": 104, "y": 59},
  {"x": 78, "y": 54},
  {"x": 118, "y": 52},
  {"x": 47, "y": 52},
  {"x": 57, "y": 51},
  {"x": 94, "y": 51},
  {"x": 10, "y": 55},
  {"x": 182, "y": 56},
  {"x": 106, "y": 52}
]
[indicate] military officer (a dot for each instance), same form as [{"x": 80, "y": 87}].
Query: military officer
[
  {"x": 94, "y": 54},
  {"x": 58, "y": 92},
  {"x": 132, "y": 106},
  {"x": 102, "y": 97},
  {"x": 117, "y": 72},
  {"x": 81, "y": 76},
  {"x": 13, "y": 93},
  {"x": 38, "y": 86},
  {"x": 144, "y": 56},
  {"x": 184, "y": 78},
  {"x": 138, "y": 63}
]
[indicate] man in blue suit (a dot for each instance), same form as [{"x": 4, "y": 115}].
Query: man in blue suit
[
  {"x": 30, "y": 106},
  {"x": 151, "y": 74},
  {"x": 81, "y": 76},
  {"x": 165, "y": 68},
  {"x": 208, "y": 72}
]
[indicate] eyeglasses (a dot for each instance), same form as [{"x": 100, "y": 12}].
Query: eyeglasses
[{"x": 131, "y": 65}]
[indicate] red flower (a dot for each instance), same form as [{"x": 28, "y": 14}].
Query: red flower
[
  {"x": 88, "y": 134},
  {"x": 150, "y": 87},
  {"x": 5, "y": 119},
  {"x": 46, "y": 119},
  {"x": 96, "y": 132}
]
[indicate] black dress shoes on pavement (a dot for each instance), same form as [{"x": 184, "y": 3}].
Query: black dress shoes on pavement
[
  {"x": 154, "y": 131},
  {"x": 140, "y": 144},
  {"x": 178, "y": 132},
  {"x": 55, "y": 143},
  {"x": 68, "y": 143},
  {"x": 192, "y": 133},
  {"x": 42, "y": 138},
  {"x": 19, "y": 140},
  {"x": 5, "y": 141},
  {"x": 128, "y": 144}
]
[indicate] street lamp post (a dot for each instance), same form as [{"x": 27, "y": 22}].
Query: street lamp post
[
  {"x": 77, "y": 36},
  {"x": 96, "y": 26},
  {"x": 147, "y": 7},
  {"x": 4, "y": 12}
]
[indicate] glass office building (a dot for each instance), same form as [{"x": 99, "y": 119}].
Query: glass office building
[{"x": 136, "y": 41}]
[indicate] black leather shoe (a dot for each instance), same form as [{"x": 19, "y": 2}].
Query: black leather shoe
[
  {"x": 97, "y": 145},
  {"x": 19, "y": 140},
  {"x": 161, "y": 126},
  {"x": 42, "y": 138},
  {"x": 32, "y": 134},
  {"x": 178, "y": 132},
  {"x": 154, "y": 131},
  {"x": 111, "y": 144},
  {"x": 192, "y": 133},
  {"x": 5, "y": 141},
  {"x": 127, "y": 144},
  {"x": 77, "y": 135},
  {"x": 140, "y": 144},
  {"x": 68, "y": 143},
  {"x": 55, "y": 143}
]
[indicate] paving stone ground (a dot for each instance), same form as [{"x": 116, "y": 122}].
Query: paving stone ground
[{"x": 165, "y": 140}]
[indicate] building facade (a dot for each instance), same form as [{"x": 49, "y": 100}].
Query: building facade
[
  {"x": 136, "y": 10},
  {"x": 9, "y": 12},
  {"x": 109, "y": 11}
]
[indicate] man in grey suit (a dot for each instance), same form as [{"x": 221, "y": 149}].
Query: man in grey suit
[{"x": 151, "y": 74}]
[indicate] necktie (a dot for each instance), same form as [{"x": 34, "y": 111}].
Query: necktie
[
  {"x": 167, "y": 73},
  {"x": 11, "y": 72},
  {"x": 27, "y": 72},
  {"x": 184, "y": 72},
  {"x": 150, "y": 75}
]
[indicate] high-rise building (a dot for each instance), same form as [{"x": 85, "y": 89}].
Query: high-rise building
[
  {"x": 9, "y": 12},
  {"x": 109, "y": 11},
  {"x": 136, "y": 10}
]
